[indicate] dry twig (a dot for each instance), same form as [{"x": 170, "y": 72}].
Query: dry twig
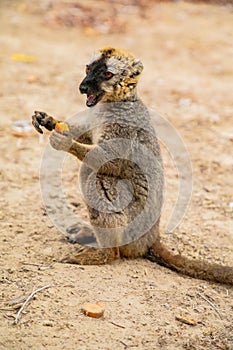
[
  {"x": 117, "y": 325},
  {"x": 211, "y": 304},
  {"x": 27, "y": 300},
  {"x": 186, "y": 320}
]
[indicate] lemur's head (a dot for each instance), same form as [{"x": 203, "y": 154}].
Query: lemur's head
[{"x": 111, "y": 76}]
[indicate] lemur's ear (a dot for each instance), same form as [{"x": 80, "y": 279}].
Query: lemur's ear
[{"x": 137, "y": 67}]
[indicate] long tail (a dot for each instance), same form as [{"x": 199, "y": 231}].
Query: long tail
[{"x": 194, "y": 268}]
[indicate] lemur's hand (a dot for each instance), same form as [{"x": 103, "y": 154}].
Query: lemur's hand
[
  {"x": 61, "y": 142},
  {"x": 43, "y": 119}
]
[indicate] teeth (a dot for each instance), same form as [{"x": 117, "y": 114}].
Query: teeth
[{"x": 91, "y": 99}]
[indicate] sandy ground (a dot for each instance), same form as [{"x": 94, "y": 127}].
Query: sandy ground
[{"x": 187, "y": 53}]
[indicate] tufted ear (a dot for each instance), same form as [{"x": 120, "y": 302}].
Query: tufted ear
[{"x": 137, "y": 67}]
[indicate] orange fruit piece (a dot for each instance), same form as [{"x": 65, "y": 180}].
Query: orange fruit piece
[{"x": 61, "y": 127}]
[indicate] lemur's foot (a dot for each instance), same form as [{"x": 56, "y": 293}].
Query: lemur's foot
[
  {"x": 92, "y": 256},
  {"x": 80, "y": 233},
  {"x": 43, "y": 119}
]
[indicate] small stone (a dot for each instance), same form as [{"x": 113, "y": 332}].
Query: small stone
[{"x": 48, "y": 323}]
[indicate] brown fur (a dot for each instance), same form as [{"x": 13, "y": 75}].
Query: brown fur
[{"x": 125, "y": 70}]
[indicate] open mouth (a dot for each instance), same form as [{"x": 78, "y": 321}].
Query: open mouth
[{"x": 92, "y": 100}]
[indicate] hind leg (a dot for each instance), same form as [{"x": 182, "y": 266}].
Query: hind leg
[
  {"x": 92, "y": 256},
  {"x": 82, "y": 233}
]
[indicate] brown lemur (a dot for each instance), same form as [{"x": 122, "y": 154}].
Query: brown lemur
[{"x": 125, "y": 176}]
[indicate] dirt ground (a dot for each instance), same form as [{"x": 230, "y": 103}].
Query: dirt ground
[{"x": 187, "y": 54}]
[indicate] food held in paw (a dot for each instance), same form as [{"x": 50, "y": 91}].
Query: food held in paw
[{"x": 61, "y": 127}]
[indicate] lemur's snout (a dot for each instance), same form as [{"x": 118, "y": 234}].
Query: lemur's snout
[{"x": 83, "y": 88}]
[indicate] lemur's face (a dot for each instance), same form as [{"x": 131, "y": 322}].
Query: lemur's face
[{"x": 111, "y": 76}]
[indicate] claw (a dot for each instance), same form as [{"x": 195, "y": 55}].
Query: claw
[{"x": 35, "y": 122}]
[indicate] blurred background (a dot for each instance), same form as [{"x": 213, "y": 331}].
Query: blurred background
[{"x": 45, "y": 46}]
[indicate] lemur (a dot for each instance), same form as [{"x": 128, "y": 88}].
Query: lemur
[{"x": 111, "y": 80}]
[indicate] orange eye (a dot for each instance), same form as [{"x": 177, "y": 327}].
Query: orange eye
[
  {"x": 87, "y": 69},
  {"x": 108, "y": 75}
]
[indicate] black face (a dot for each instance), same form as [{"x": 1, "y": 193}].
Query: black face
[{"x": 91, "y": 84}]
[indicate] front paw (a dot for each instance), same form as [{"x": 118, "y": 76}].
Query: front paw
[
  {"x": 43, "y": 119},
  {"x": 61, "y": 142}
]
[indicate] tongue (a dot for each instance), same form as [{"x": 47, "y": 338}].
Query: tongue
[{"x": 91, "y": 100}]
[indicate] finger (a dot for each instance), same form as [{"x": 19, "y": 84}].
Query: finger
[
  {"x": 41, "y": 115},
  {"x": 36, "y": 124},
  {"x": 66, "y": 133},
  {"x": 48, "y": 122}
]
